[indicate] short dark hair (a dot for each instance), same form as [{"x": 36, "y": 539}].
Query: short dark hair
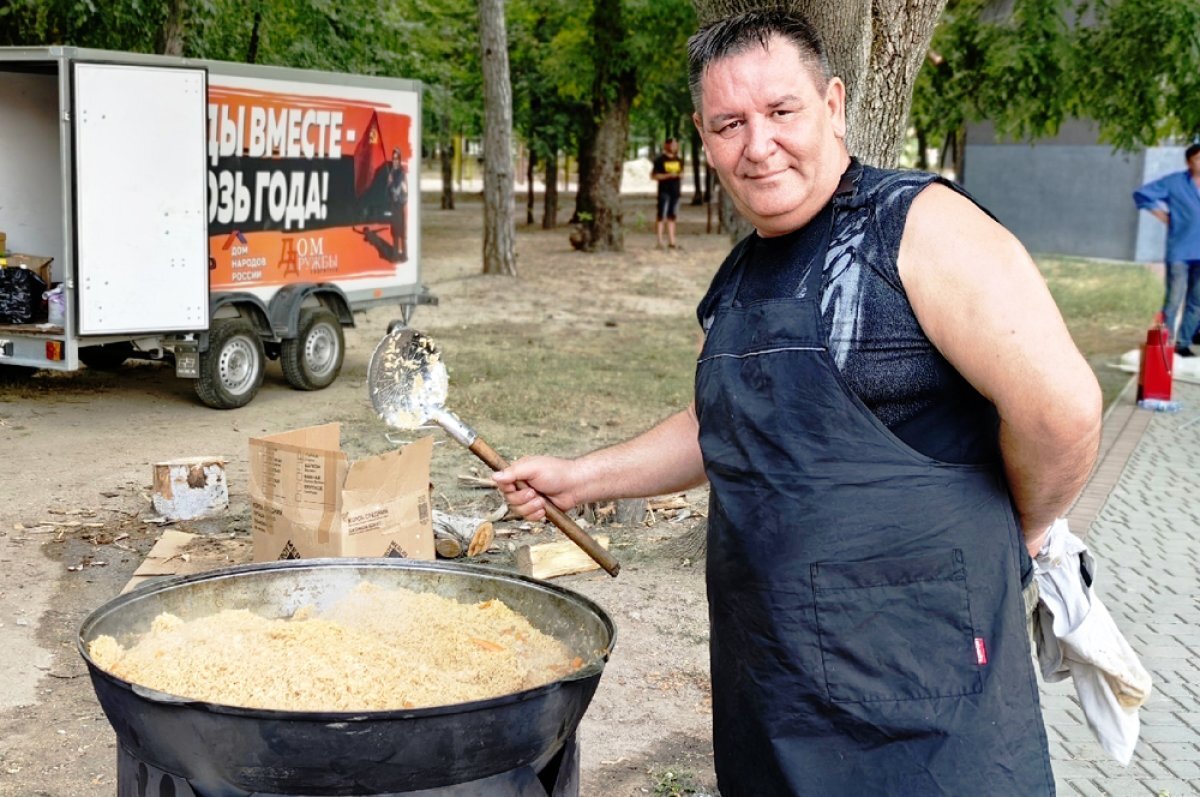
[
  {"x": 736, "y": 34},
  {"x": 1192, "y": 150}
]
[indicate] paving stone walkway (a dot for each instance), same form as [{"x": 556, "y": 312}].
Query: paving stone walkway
[{"x": 1140, "y": 516}]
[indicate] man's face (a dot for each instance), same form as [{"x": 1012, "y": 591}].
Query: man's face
[
  {"x": 671, "y": 148},
  {"x": 774, "y": 137},
  {"x": 1194, "y": 164}
]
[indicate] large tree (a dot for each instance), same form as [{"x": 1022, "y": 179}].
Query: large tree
[
  {"x": 499, "y": 254},
  {"x": 602, "y": 151}
]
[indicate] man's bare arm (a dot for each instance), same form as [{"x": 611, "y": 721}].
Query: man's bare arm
[
  {"x": 982, "y": 301},
  {"x": 662, "y": 460}
]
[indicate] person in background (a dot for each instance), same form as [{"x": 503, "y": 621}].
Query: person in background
[
  {"x": 397, "y": 193},
  {"x": 1175, "y": 201},
  {"x": 890, "y": 415},
  {"x": 668, "y": 173}
]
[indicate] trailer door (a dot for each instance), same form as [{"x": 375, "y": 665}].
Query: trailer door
[{"x": 140, "y": 198}]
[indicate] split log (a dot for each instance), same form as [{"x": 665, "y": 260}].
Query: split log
[
  {"x": 674, "y": 502},
  {"x": 455, "y": 536},
  {"x": 550, "y": 559}
]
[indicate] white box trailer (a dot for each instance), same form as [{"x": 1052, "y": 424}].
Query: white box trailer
[{"x": 206, "y": 213}]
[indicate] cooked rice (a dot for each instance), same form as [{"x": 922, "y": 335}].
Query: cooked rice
[{"x": 376, "y": 649}]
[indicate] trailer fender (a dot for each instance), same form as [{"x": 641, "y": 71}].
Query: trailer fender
[
  {"x": 284, "y": 307},
  {"x": 231, "y": 305}
]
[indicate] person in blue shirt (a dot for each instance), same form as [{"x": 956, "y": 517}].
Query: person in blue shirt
[{"x": 1175, "y": 201}]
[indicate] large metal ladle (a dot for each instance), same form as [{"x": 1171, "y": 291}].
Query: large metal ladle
[{"x": 408, "y": 383}]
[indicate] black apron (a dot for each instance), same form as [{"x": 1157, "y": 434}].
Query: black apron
[{"x": 867, "y": 626}]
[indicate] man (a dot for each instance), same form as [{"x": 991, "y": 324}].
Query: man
[
  {"x": 890, "y": 414},
  {"x": 668, "y": 173},
  {"x": 1175, "y": 201}
]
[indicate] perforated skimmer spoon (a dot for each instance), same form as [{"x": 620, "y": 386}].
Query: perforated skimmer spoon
[{"x": 408, "y": 384}]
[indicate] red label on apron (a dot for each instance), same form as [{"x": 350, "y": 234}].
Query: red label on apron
[{"x": 980, "y": 651}]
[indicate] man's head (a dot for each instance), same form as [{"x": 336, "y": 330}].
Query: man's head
[
  {"x": 771, "y": 117},
  {"x": 671, "y": 147},
  {"x": 736, "y": 34},
  {"x": 397, "y": 156},
  {"x": 1192, "y": 156}
]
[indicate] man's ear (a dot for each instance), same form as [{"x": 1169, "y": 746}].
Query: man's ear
[
  {"x": 835, "y": 101},
  {"x": 699, "y": 129}
]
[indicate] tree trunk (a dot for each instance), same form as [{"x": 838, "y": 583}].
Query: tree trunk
[
  {"x": 446, "y": 158},
  {"x": 529, "y": 167},
  {"x": 550, "y": 198},
  {"x": 613, "y": 91},
  {"x": 699, "y": 195},
  {"x": 445, "y": 144},
  {"x": 255, "y": 28},
  {"x": 922, "y": 150},
  {"x": 170, "y": 36},
  {"x": 876, "y": 47},
  {"x": 583, "y": 168},
  {"x": 499, "y": 254}
]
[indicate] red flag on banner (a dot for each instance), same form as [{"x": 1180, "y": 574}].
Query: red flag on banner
[{"x": 384, "y": 132}]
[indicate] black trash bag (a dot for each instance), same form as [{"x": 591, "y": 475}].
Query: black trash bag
[{"x": 20, "y": 296}]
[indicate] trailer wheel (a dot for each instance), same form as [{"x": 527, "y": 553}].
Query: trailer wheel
[
  {"x": 107, "y": 357},
  {"x": 313, "y": 359},
  {"x": 231, "y": 371}
]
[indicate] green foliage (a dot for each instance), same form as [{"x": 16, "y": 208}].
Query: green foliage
[
  {"x": 548, "y": 53},
  {"x": 1133, "y": 66},
  {"x": 675, "y": 784},
  {"x": 1139, "y": 70},
  {"x": 658, "y": 46},
  {"x": 127, "y": 25}
]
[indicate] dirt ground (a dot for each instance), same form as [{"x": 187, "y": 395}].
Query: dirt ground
[{"x": 77, "y": 463}]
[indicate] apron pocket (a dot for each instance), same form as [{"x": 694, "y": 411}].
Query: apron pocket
[{"x": 896, "y": 629}]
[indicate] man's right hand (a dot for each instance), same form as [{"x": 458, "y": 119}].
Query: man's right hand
[
  {"x": 664, "y": 459},
  {"x": 552, "y": 477}
]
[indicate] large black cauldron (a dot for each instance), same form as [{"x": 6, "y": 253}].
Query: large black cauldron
[{"x": 223, "y": 750}]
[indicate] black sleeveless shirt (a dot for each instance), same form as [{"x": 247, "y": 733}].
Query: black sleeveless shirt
[{"x": 873, "y": 335}]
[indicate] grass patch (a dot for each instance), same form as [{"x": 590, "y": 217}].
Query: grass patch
[
  {"x": 575, "y": 389},
  {"x": 1107, "y": 308}
]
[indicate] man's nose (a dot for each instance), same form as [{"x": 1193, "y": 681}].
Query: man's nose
[{"x": 760, "y": 140}]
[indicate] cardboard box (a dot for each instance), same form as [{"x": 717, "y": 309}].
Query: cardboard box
[
  {"x": 308, "y": 500},
  {"x": 35, "y": 263}
]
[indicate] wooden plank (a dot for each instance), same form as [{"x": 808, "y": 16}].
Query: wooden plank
[{"x": 550, "y": 559}]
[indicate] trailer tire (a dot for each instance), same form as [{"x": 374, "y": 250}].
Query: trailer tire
[
  {"x": 313, "y": 359},
  {"x": 231, "y": 371},
  {"x": 108, "y": 357}
]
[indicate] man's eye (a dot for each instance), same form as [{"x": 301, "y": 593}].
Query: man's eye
[{"x": 728, "y": 128}]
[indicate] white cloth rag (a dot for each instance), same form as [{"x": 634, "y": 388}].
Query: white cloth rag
[{"x": 1077, "y": 638}]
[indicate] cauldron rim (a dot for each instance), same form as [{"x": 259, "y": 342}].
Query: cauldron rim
[{"x": 592, "y": 668}]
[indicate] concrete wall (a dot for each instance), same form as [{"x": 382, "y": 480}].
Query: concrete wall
[{"x": 1069, "y": 195}]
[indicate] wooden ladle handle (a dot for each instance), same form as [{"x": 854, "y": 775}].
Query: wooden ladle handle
[{"x": 569, "y": 527}]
